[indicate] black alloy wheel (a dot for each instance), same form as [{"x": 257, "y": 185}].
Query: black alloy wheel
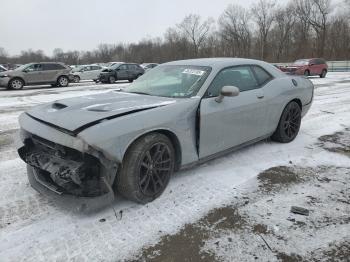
[
  {"x": 155, "y": 169},
  {"x": 289, "y": 124}
]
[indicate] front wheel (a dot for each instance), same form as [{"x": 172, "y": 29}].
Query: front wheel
[
  {"x": 16, "y": 84},
  {"x": 307, "y": 73},
  {"x": 62, "y": 81},
  {"x": 323, "y": 74},
  {"x": 147, "y": 168},
  {"x": 76, "y": 79},
  {"x": 289, "y": 124},
  {"x": 111, "y": 79}
]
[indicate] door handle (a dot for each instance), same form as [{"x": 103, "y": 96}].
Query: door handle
[{"x": 260, "y": 96}]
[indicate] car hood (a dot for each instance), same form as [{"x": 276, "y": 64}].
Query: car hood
[
  {"x": 74, "y": 115},
  {"x": 8, "y": 72}
]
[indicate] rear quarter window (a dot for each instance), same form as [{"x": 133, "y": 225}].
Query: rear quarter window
[
  {"x": 53, "y": 67},
  {"x": 262, "y": 75}
]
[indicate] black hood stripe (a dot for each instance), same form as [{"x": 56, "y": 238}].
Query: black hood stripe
[{"x": 90, "y": 124}]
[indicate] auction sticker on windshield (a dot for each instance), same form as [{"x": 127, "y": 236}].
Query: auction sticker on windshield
[{"x": 194, "y": 72}]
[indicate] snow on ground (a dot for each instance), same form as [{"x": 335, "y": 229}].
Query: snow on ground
[{"x": 34, "y": 228}]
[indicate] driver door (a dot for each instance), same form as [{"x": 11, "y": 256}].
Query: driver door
[
  {"x": 34, "y": 74},
  {"x": 123, "y": 72},
  {"x": 235, "y": 120}
]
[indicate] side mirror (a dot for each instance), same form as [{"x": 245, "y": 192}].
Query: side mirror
[
  {"x": 229, "y": 91},
  {"x": 311, "y": 64}
]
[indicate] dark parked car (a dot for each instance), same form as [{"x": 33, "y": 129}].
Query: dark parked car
[
  {"x": 308, "y": 67},
  {"x": 148, "y": 66},
  {"x": 125, "y": 71}
]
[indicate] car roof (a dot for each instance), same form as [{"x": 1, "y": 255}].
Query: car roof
[
  {"x": 46, "y": 63},
  {"x": 216, "y": 62}
]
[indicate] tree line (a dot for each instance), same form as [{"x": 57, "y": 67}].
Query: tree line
[{"x": 267, "y": 31}]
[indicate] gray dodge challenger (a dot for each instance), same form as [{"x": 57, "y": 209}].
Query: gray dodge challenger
[{"x": 130, "y": 141}]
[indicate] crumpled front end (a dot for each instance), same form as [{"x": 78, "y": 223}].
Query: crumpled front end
[{"x": 82, "y": 178}]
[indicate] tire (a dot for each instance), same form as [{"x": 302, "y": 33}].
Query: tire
[
  {"x": 307, "y": 73},
  {"x": 76, "y": 79},
  {"x": 323, "y": 74},
  {"x": 289, "y": 124},
  {"x": 111, "y": 79},
  {"x": 16, "y": 84},
  {"x": 131, "y": 80},
  {"x": 62, "y": 81},
  {"x": 147, "y": 168}
]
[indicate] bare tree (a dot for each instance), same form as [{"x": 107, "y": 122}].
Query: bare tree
[
  {"x": 195, "y": 31},
  {"x": 234, "y": 30},
  {"x": 282, "y": 31},
  {"x": 263, "y": 15},
  {"x": 316, "y": 13}
]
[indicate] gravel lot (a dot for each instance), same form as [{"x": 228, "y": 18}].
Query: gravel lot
[{"x": 235, "y": 208}]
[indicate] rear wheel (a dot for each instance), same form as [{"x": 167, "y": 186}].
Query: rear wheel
[
  {"x": 289, "y": 124},
  {"x": 76, "y": 79},
  {"x": 111, "y": 79},
  {"x": 323, "y": 74},
  {"x": 16, "y": 84},
  {"x": 147, "y": 168},
  {"x": 62, "y": 81}
]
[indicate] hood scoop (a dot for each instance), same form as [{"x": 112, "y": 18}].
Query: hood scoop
[{"x": 58, "y": 106}]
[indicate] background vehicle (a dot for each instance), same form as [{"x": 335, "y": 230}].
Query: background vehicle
[
  {"x": 56, "y": 74},
  {"x": 176, "y": 115},
  {"x": 126, "y": 71},
  {"x": 308, "y": 67},
  {"x": 86, "y": 72},
  {"x": 148, "y": 66},
  {"x": 2, "y": 69}
]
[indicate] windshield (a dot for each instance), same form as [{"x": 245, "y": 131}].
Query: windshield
[
  {"x": 22, "y": 67},
  {"x": 77, "y": 69},
  {"x": 114, "y": 66},
  {"x": 301, "y": 62},
  {"x": 171, "y": 81}
]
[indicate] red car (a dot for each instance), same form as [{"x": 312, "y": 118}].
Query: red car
[{"x": 308, "y": 67}]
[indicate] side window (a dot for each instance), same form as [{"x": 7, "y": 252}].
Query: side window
[
  {"x": 35, "y": 67},
  {"x": 239, "y": 76},
  {"x": 49, "y": 67},
  {"x": 133, "y": 67},
  {"x": 53, "y": 67},
  {"x": 262, "y": 76},
  {"x": 320, "y": 62},
  {"x": 123, "y": 67}
]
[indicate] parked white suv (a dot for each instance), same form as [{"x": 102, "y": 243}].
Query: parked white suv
[{"x": 86, "y": 72}]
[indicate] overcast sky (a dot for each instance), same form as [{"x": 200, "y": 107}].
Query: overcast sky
[{"x": 83, "y": 24}]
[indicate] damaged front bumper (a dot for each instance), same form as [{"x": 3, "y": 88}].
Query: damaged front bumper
[{"x": 81, "y": 180}]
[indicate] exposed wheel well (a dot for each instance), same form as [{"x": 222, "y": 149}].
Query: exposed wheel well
[
  {"x": 298, "y": 102},
  {"x": 174, "y": 140}
]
